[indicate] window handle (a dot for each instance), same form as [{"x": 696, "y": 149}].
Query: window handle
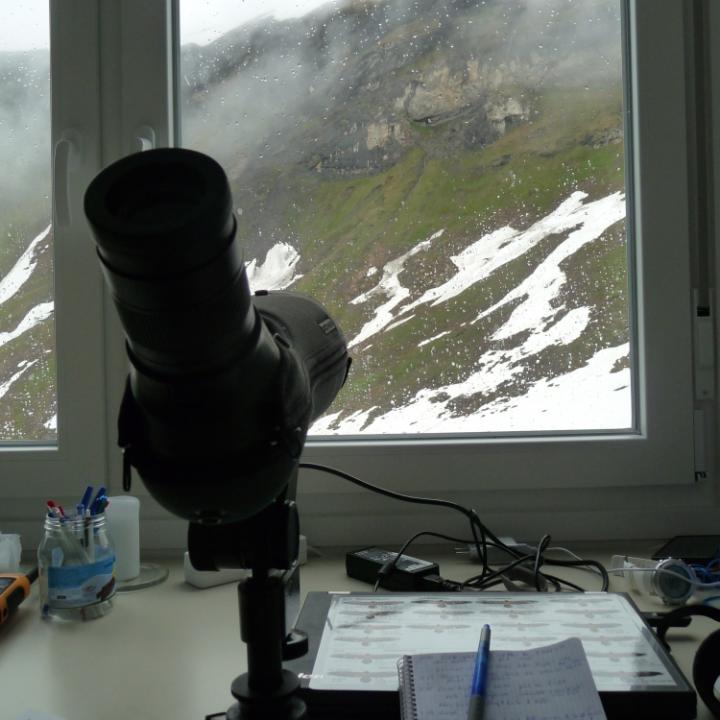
[
  {"x": 144, "y": 139},
  {"x": 67, "y": 150}
]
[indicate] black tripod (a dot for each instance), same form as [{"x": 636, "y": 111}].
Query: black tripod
[
  {"x": 266, "y": 690},
  {"x": 267, "y": 544}
]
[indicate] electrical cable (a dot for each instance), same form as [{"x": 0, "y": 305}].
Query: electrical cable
[
  {"x": 389, "y": 566},
  {"x": 592, "y": 566},
  {"x": 479, "y": 581},
  {"x": 708, "y": 573},
  {"x": 475, "y": 522},
  {"x": 562, "y": 581},
  {"x": 544, "y": 542},
  {"x": 491, "y": 580},
  {"x": 487, "y": 578},
  {"x": 555, "y": 582},
  {"x": 495, "y": 579},
  {"x": 580, "y": 562},
  {"x": 557, "y": 548}
]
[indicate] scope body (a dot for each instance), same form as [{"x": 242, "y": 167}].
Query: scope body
[{"x": 223, "y": 385}]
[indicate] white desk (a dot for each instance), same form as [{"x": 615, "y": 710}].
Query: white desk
[{"x": 172, "y": 651}]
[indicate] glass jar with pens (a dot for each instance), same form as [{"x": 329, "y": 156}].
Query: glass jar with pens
[{"x": 76, "y": 564}]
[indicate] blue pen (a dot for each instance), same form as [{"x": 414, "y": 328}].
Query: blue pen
[
  {"x": 98, "y": 505},
  {"x": 476, "y": 709},
  {"x": 98, "y": 499},
  {"x": 85, "y": 502}
]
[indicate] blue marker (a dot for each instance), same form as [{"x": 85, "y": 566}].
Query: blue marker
[{"x": 476, "y": 710}]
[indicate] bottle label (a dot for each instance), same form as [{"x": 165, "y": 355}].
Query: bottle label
[{"x": 80, "y": 585}]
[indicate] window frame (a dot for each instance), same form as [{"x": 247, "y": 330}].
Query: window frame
[
  {"x": 592, "y": 479},
  {"x": 660, "y": 454},
  {"x": 660, "y": 300},
  {"x": 38, "y": 470}
]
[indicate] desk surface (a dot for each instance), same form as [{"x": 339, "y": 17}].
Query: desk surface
[{"x": 173, "y": 650}]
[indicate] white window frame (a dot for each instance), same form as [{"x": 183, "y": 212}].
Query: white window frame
[
  {"x": 664, "y": 414},
  {"x": 639, "y": 484},
  {"x": 36, "y": 472}
]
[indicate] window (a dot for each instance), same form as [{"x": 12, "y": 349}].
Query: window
[
  {"x": 126, "y": 82},
  {"x": 27, "y": 333},
  {"x": 52, "y": 407},
  {"x": 382, "y": 152},
  {"x": 449, "y": 180}
]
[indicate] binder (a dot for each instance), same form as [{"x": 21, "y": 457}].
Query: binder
[{"x": 674, "y": 700}]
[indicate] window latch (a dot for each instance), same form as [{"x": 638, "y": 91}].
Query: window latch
[
  {"x": 704, "y": 347},
  {"x": 65, "y": 156},
  {"x": 143, "y": 139}
]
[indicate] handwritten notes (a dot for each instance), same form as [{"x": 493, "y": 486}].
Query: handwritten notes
[{"x": 545, "y": 683}]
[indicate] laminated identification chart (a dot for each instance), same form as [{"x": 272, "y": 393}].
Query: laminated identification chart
[{"x": 364, "y": 636}]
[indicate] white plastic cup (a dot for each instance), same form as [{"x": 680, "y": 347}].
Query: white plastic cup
[{"x": 123, "y": 518}]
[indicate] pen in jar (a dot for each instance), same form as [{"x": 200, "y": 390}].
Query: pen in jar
[{"x": 72, "y": 546}]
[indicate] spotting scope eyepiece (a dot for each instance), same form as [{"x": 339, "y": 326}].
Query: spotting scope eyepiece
[{"x": 222, "y": 385}]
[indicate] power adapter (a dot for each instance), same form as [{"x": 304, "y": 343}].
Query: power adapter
[{"x": 408, "y": 573}]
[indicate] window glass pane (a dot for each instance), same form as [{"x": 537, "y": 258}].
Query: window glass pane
[
  {"x": 27, "y": 334},
  {"x": 448, "y": 178}
]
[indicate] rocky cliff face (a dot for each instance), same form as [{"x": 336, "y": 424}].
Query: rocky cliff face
[{"x": 352, "y": 89}]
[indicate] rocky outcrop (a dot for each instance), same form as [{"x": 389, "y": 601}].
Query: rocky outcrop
[
  {"x": 440, "y": 96},
  {"x": 379, "y": 134},
  {"x": 610, "y": 136}
]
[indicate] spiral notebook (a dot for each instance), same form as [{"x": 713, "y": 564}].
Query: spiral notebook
[{"x": 546, "y": 683}]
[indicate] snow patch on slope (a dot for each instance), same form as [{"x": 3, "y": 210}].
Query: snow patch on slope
[
  {"x": 24, "y": 367},
  {"x": 277, "y": 271},
  {"x": 594, "y": 396},
  {"x": 34, "y": 317},
  {"x": 392, "y": 288},
  {"x": 480, "y": 259},
  {"x": 547, "y": 280},
  {"x": 22, "y": 269}
]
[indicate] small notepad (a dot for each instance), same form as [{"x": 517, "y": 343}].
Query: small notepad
[{"x": 546, "y": 683}]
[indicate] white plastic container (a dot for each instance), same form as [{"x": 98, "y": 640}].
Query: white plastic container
[{"x": 123, "y": 517}]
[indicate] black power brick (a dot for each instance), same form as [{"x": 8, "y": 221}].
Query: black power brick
[{"x": 407, "y": 574}]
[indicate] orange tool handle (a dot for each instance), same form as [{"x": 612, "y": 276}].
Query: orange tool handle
[{"x": 14, "y": 588}]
